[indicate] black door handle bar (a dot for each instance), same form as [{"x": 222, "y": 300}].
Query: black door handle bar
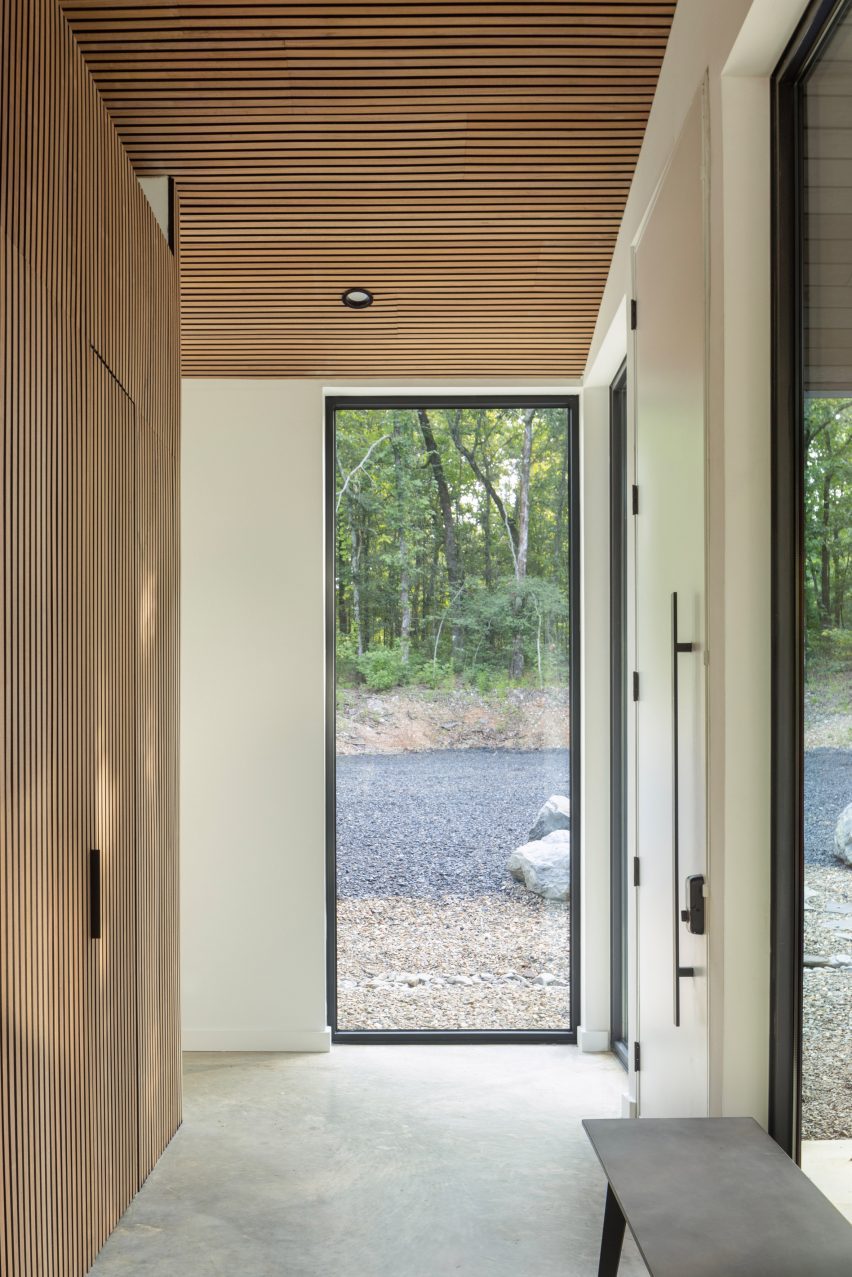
[{"x": 679, "y": 971}]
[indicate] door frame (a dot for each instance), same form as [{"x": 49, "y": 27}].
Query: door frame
[
  {"x": 787, "y": 756},
  {"x": 618, "y": 710},
  {"x": 639, "y": 1072},
  {"x": 333, "y": 403}
]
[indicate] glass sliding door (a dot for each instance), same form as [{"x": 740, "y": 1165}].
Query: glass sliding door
[
  {"x": 452, "y": 627},
  {"x": 812, "y": 1078}
]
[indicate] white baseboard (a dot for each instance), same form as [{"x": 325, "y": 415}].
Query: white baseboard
[
  {"x": 592, "y": 1041},
  {"x": 310, "y": 1040},
  {"x": 628, "y": 1106}
]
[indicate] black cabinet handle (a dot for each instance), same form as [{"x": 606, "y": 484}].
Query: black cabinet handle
[
  {"x": 95, "y": 894},
  {"x": 679, "y": 971}
]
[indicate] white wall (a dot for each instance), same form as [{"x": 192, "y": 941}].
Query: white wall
[
  {"x": 595, "y": 959},
  {"x": 252, "y": 837},
  {"x": 156, "y": 191},
  {"x": 737, "y": 43},
  {"x": 253, "y": 709},
  {"x": 252, "y": 694}
]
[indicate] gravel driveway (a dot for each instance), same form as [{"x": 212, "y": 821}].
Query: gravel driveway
[
  {"x": 442, "y": 823},
  {"x": 828, "y": 789},
  {"x": 398, "y": 815}
]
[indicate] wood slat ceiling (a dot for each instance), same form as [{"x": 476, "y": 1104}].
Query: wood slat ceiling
[{"x": 466, "y": 161}]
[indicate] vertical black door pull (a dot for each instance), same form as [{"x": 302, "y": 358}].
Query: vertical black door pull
[
  {"x": 679, "y": 971},
  {"x": 95, "y": 893}
]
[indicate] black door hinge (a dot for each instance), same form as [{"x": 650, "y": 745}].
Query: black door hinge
[
  {"x": 635, "y": 499},
  {"x": 635, "y": 871},
  {"x": 635, "y": 685},
  {"x": 633, "y": 309},
  {"x": 637, "y": 1058}
]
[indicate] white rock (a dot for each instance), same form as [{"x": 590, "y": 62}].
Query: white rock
[
  {"x": 837, "y": 961},
  {"x": 543, "y": 866},
  {"x": 554, "y": 815},
  {"x": 545, "y": 978},
  {"x": 843, "y": 836}
]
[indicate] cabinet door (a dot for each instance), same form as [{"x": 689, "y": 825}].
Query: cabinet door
[
  {"x": 112, "y": 991},
  {"x": 46, "y": 776},
  {"x": 157, "y": 800}
]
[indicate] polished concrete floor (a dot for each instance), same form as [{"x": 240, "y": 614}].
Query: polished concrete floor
[
  {"x": 829, "y": 1164},
  {"x": 377, "y": 1161}
]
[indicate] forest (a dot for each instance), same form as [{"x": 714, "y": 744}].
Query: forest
[
  {"x": 452, "y": 546},
  {"x": 828, "y": 529}
]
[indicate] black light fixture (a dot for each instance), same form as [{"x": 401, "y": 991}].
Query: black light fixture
[{"x": 357, "y": 298}]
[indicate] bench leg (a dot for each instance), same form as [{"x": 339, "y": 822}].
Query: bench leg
[{"x": 613, "y": 1236}]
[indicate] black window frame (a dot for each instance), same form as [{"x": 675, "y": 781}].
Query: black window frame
[
  {"x": 333, "y": 403},
  {"x": 787, "y": 674},
  {"x": 618, "y": 523}
]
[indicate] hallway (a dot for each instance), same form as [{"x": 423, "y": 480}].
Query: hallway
[{"x": 379, "y": 1160}]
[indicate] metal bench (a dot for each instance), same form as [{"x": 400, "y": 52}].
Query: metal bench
[{"x": 714, "y": 1197}]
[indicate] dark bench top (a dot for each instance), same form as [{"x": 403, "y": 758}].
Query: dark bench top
[{"x": 716, "y": 1197}]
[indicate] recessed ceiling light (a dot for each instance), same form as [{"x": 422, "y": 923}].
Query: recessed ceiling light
[{"x": 357, "y": 298}]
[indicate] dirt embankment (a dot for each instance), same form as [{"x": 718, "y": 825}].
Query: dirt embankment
[{"x": 413, "y": 719}]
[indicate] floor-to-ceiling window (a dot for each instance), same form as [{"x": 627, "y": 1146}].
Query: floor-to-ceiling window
[
  {"x": 827, "y": 572},
  {"x": 813, "y": 586},
  {"x": 452, "y": 815}
]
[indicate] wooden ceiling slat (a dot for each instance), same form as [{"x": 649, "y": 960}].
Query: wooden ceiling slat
[{"x": 467, "y": 160}]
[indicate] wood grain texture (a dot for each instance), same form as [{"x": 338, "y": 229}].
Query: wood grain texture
[
  {"x": 468, "y": 162},
  {"x": 88, "y": 696}
]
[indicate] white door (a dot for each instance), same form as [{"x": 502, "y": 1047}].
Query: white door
[{"x": 669, "y": 543}]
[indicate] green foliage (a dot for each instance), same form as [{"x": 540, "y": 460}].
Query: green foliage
[
  {"x": 828, "y": 517},
  {"x": 437, "y": 675},
  {"x": 828, "y": 569},
  {"x": 382, "y": 667},
  {"x": 836, "y": 644},
  {"x": 432, "y": 573},
  {"x": 346, "y": 656},
  {"x": 484, "y": 681}
]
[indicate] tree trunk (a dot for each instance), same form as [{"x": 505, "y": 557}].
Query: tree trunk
[
  {"x": 524, "y": 498},
  {"x": 486, "y": 536},
  {"x": 364, "y": 568},
  {"x": 485, "y": 479},
  {"x": 355, "y": 570},
  {"x": 429, "y": 599},
  {"x": 825, "y": 557},
  {"x": 404, "y": 566},
  {"x": 523, "y": 523},
  {"x": 358, "y": 541},
  {"x": 561, "y": 502},
  {"x": 455, "y": 575}
]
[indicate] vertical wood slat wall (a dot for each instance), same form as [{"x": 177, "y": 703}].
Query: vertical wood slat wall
[{"x": 89, "y": 1053}]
